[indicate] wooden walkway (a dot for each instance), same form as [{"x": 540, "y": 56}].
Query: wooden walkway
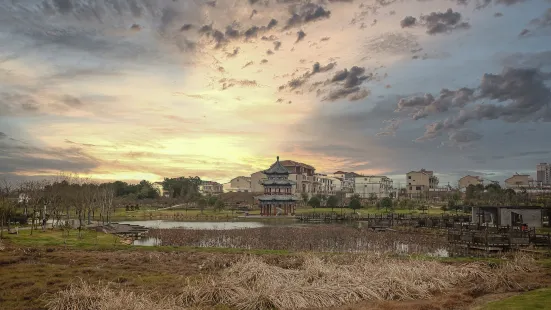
[
  {"x": 389, "y": 220},
  {"x": 492, "y": 239}
]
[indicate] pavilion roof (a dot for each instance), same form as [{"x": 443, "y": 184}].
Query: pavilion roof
[
  {"x": 277, "y": 198},
  {"x": 278, "y": 182},
  {"x": 276, "y": 168}
]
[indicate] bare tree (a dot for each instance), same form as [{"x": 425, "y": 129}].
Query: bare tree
[{"x": 6, "y": 205}]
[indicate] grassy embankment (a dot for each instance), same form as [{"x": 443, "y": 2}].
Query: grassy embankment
[
  {"x": 537, "y": 299},
  {"x": 121, "y": 214}
]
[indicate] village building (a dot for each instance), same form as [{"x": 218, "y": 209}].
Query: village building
[
  {"x": 210, "y": 187},
  {"x": 239, "y": 184},
  {"x": 278, "y": 198},
  {"x": 420, "y": 182},
  {"x": 369, "y": 185},
  {"x": 467, "y": 180}
]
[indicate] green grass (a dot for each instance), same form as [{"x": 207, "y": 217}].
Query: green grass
[
  {"x": 57, "y": 238},
  {"x": 122, "y": 214},
  {"x": 538, "y": 299},
  {"x": 108, "y": 242}
]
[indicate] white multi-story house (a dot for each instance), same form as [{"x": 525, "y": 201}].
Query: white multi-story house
[
  {"x": 323, "y": 185},
  {"x": 210, "y": 187},
  {"x": 367, "y": 185},
  {"x": 239, "y": 184}
]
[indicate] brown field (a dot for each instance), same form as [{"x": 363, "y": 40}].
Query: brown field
[
  {"x": 336, "y": 238},
  {"x": 63, "y": 278}
]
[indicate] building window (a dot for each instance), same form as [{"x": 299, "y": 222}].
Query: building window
[
  {"x": 410, "y": 188},
  {"x": 409, "y": 177},
  {"x": 418, "y": 188}
]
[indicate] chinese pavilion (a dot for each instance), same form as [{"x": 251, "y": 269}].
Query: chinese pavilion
[{"x": 278, "y": 196}]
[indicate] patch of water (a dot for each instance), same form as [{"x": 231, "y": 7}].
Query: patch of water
[
  {"x": 160, "y": 224},
  {"x": 150, "y": 241}
]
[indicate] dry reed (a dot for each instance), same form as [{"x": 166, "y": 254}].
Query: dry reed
[
  {"x": 317, "y": 239},
  {"x": 83, "y": 296},
  {"x": 310, "y": 282},
  {"x": 253, "y": 284}
]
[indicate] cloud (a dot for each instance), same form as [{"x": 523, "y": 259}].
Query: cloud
[
  {"x": 428, "y": 104},
  {"x": 300, "y": 36},
  {"x": 463, "y": 137},
  {"x": 300, "y": 81},
  {"x": 438, "y": 22},
  {"x": 408, "y": 21},
  {"x": 3, "y": 135},
  {"x": 306, "y": 13},
  {"x": 521, "y": 95},
  {"x": 18, "y": 158},
  {"x": 528, "y": 60}
]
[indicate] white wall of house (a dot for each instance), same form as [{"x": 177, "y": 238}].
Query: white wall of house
[{"x": 364, "y": 186}]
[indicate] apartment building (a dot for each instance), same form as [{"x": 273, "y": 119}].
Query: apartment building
[
  {"x": 342, "y": 185},
  {"x": 523, "y": 181},
  {"x": 367, "y": 185},
  {"x": 210, "y": 187},
  {"x": 303, "y": 175},
  {"x": 420, "y": 182},
  {"x": 543, "y": 173},
  {"x": 467, "y": 180},
  {"x": 239, "y": 184},
  {"x": 323, "y": 184}
]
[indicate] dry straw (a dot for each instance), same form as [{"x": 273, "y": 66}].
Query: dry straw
[{"x": 251, "y": 283}]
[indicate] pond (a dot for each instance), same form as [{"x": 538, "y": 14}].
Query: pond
[{"x": 161, "y": 224}]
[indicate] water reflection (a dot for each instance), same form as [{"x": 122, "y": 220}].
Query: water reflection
[
  {"x": 150, "y": 241},
  {"x": 160, "y": 224}
]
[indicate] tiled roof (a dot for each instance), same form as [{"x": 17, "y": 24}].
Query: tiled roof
[
  {"x": 276, "y": 168},
  {"x": 277, "y": 198},
  {"x": 278, "y": 182}
]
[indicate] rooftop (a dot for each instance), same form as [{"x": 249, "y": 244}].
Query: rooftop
[
  {"x": 278, "y": 182},
  {"x": 277, "y": 198},
  {"x": 291, "y": 163},
  {"x": 276, "y": 168}
]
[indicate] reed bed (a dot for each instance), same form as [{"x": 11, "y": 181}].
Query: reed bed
[
  {"x": 84, "y": 296},
  {"x": 315, "y": 282},
  {"x": 317, "y": 239}
]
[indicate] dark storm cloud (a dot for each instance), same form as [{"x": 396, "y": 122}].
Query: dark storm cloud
[
  {"x": 528, "y": 60},
  {"x": 350, "y": 78},
  {"x": 348, "y": 82},
  {"x": 300, "y": 36},
  {"x": 17, "y": 157},
  {"x": 522, "y": 96},
  {"x": 231, "y": 33},
  {"x": 408, "y": 21},
  {"x": 306, "y": 13},
  {"x": 299, "y": 81},
  {"x": 438, "y": 22},
  {"x": 426, "y": 105},
  {"x": 463, "y": 137},
  {"x": 186, "y": 27}
]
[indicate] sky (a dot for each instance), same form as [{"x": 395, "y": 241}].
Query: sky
[{"x": 147, "y": 89}]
